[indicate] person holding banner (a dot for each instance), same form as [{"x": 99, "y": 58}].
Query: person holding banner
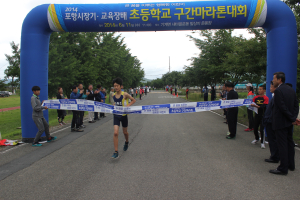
[
  {"x": 97, "y": 98},
  {"x": 232, "y": 113},
  {"x": 91, "y": 96},
  {"x": 121, "y": 99},
  {"x": 38, "y": 117},
  {"x": 81, "y": 113},
  {"x": 75, "y": 126},
  {"x": 261, "y": 101}
]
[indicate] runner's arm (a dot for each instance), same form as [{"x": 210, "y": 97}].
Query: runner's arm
[{"x": 129, "y": 97}]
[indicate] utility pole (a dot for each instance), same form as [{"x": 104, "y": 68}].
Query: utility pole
[{"x": 169, "y": 64}]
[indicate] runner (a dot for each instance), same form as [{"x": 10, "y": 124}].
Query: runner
[{"x": 120, "y": 99}]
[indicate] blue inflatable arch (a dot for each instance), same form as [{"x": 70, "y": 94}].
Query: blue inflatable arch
[{"x": 273, "y": 15}]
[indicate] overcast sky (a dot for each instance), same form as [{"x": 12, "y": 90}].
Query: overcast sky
[{"x": 152, "y": 48}]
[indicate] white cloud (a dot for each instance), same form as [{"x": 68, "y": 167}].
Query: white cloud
[{"x": 152, "y": 48}]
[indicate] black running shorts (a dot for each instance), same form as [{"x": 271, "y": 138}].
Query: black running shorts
[{"x": 120, "y": 118}]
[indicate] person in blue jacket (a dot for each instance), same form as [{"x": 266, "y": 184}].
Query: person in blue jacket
[
  {"x": 81, "y": 113},
  {"x": 75, "y": 126}
]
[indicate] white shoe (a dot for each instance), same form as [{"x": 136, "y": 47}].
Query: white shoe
[
  {"x": 263, "y": 146},
  {"x": 266, "y": 142},
  {"x": 255, "y": 141},
  {"x": 228, "y": 133}
]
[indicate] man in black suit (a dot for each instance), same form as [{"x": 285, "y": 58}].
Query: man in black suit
[
  {"x": 91, "y": 96},
  {"x": 232, "y": 113},
  {"x": 267, "y": 121},
  {"x": 285, "y": 112}
]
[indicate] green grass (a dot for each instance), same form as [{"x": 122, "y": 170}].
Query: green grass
[
  {"x": 11, "y": 101},
  {"x": 11, "y": 120}
]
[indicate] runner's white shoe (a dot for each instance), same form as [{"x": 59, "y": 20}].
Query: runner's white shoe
[
  {"x": 228, "y": 133},
  {"x": 263, "y": 146},
  {"x": 255, "y": 141}
]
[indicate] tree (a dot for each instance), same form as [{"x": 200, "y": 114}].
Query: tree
[
  {"x": 13, "y": 70},
  {"x": 91, "y": 58},
  {"x": 295, "y": 6},
  {"x": 2, "y": 85}
]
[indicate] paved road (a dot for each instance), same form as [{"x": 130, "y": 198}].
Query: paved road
[{"x": 183, "y": 156}]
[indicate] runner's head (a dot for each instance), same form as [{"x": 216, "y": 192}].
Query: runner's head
[
  {"x": 118, "y": 83},
  {"x": 36, "y": 90}
]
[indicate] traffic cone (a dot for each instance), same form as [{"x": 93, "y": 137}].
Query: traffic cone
[
  {"x": 177, "y": 94},
  {"x": 173, "y": 94}
]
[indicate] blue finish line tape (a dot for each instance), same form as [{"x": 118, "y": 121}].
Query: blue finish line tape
[{"x": 174, "y": 108}]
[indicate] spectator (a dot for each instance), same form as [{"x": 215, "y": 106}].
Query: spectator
[
  {"x": 232, "y": 113},
  {"x": 285, "y": 113},
  {"x": 250, "y": 112},
  {"x": 261, "y": 101},
  {"x": 97, "y": 98},
  {"x": 81, "y": 113},
  {"x": 175, "y": 91},
  {"x": 134, "y": 92},
  {"x": 38, "y": 117},
  {"x": 75, "y": 126},
  {"x": 141, "y": 92},
  {"x": 224, "y": 97},
  {"x": 60, "y": 113},
  {"x": 205, "y": 91},
  {"x": 187, "y": 93},
  {"x": 103, "y": 98},
  {"x": 267, "y": 120},
  {"x": 91, "y": 96},
  {"x": 111, "y": 95},
  {"x": 213, "y": 93},
  {"x": 171, "y": 89}
]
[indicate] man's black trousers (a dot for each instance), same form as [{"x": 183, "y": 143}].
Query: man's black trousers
[
  {"x": 205, "y": 97},
  {"x": 232, "y": 115},
  {"x": 75, "y": 119},
  {"x": 81, "y": 113},
  {"x": 272, "y": 142},
  {"x": 258, "y": 122},
  {"x": 286, "y": 146}
]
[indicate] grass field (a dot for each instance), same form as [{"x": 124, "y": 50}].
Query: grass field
[
  {"x": 11, "y": 120},
  {"x": 11, "y": 101}
]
